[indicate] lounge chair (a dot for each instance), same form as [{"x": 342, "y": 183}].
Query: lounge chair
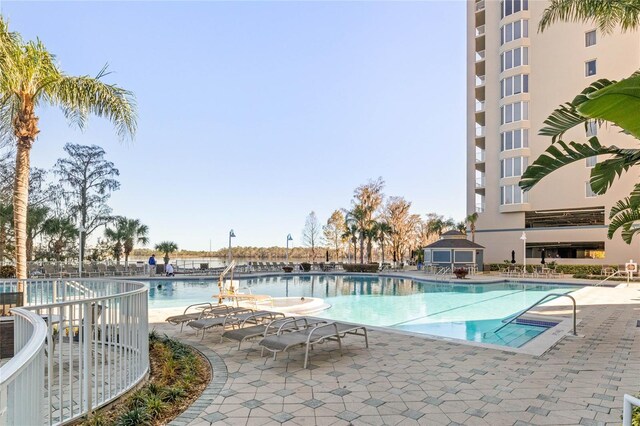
[
  {"x": 313, "y": 335},
  {"x": 276, "y": 326},
  {"x": 234, "y": 318},
  {"x": 205, "y": 309}
]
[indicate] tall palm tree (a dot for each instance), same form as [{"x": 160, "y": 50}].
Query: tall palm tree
[
  {"x": 356, "y": 220},
  {"x": 166, "y": 247},
  {"x": 351, "y": 233},
  {"x": 471, "y": 220},
  {"x": 606, "y": 14},
  {"x": 382, "y": 231},
  {"x": 604, "y": 101},
  {"x": 31, "y": 77}
]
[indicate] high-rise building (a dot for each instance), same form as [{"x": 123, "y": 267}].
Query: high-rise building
[{"x": 516, "y": 77}]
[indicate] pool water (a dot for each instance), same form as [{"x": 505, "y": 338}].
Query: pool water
[{"x": 463, "y": 311}]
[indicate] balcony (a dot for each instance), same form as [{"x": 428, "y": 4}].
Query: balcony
[
  {"x": 480, "y": 182},
  {"x": 480, "y": 31},
  {"x": 480, "y": 155},
  {"x": 480, "y": 207},
  {"x": 480, "y": 6},
  {"x": 481, "y": 55},
  {"x": 479, "y": 106},
  {"x": 480, "y": 132},
  {"x": 480, "y": 80}
]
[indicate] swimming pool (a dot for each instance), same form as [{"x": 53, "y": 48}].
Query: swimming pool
[{"x": 463, "y": 311}]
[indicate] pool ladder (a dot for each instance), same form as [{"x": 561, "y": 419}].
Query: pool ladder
[{"x": 555, "y": 295}]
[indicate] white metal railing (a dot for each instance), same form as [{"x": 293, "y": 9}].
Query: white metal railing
[
  {"x": 480, "y": 132},
  {"x": 479, "y": 155},
  {"x": 97, "y": 346},
  {"x": 480, "y": 182},
  {"x": 480, "y": 207},
  {"x": 627, "y": 410},
  {"x": 480, "y": 56},
  {"x": 22, "y": 378},
  {"x": 480, "y": 6},
  {"x": 480, "y": 30},
  {"x": 479, "y": 106}
]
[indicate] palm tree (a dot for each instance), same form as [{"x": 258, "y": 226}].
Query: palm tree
[
  {"x": 357, "y": 224},
  {"x": 30, "y": 77},
  {"x": 606, "y": 14},
  {"x": 351, "y": 233},
  {"x": 115, "y": 236},
  {"x": 382, "y": 230},
  {"x": 133, "y": 232},
  {"x": 604, "y": 101},
  {"x": 166, "y": 247},
  {"x": 471, "y": 220},
  {"x": 62, "y": 233}
]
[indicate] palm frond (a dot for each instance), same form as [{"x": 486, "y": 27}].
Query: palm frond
[
  {"x": 80, "y": 96},
  {"x": 605, "y": 14},
  {"x": 624, "y": 219},
  {"x": 558, "y": 155},
  {"x": 620, "y": 206},
  {"x": 563, "y": 118},
  {"x": 616, "y": 102},
  {"x": 604, "y": 173}
]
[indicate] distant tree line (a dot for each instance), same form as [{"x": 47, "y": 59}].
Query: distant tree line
[{"x": 377, "y": 228}]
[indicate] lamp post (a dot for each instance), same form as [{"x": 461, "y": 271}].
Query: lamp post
[
  {"x": 80, "y": 230},
  {"x": 287, "y": 251},
  {"x": 231, "y": 235},
  {"x": 524, "y": 246}
]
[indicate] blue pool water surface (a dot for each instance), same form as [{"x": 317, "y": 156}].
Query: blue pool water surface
[{"x": 463, "y": 311}]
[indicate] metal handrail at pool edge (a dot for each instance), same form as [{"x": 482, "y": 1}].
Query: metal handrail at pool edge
[{"x": 556, "y": 295}]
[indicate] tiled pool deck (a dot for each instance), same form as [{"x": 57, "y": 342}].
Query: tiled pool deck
[{"x": 405, "y": 379}]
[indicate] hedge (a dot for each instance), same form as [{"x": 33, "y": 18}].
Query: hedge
[
  {"x": 359, "y": 267},
  {"x": 563, "y": 269}
]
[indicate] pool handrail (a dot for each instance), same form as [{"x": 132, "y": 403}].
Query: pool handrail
[{"x": 556, "y": 295}]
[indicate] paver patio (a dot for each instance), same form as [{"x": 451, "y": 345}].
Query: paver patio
[{"x": 410, "y": 379}]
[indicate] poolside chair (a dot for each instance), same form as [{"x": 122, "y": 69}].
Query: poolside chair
[
  {"x": 312, "y": 336},
  {"x": 276, "y": 326},
  {"x": 203, "y": 309},
  {"x": 233, "y": 319}
]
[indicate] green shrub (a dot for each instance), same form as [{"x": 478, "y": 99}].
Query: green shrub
[
  {"x": 360, "y": 267},
  {"x": 306, "y": 266},
  {"x": 8, "y": 271},
  {"x": 563, "y": 269},
  {"x": 155, "y": 406},
  {"x": 135, "y": 417}
]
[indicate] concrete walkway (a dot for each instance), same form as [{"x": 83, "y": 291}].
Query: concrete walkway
[{"x": 410, "y": 379}]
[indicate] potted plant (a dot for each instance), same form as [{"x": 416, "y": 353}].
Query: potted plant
[{"x": 460, "y": 273}]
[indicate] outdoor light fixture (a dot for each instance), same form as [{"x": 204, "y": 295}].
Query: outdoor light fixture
[
  {"x": 524, "y": 246},
  {"x": 231, "y": 235},
  {"x": 287, "y": 251}
]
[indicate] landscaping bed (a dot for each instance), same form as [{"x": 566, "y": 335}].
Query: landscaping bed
[{"x": 179, "y": 375}]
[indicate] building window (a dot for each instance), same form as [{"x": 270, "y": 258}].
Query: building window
[
  {"x": 514, "y": 139},
  {"x": 567, "y": 250},
  {"x": 512, "y": 194},
  {"x": 590, "y": 38},
  {"x": 588, "y": 191},
  {"x": 514, "y": 58},
  {"x": 514, "y": 31},
  {"x": 509, "y": 7},
  {"x": 441, "y": 256},
  {"x": 514, "y": 85},
  {"x": 587, "y": 216},
  {"x": 592, "y": 128},
  {"x": 592, "y": 161},
  {"x": 590, "y": 68},
  {"x": 516, "y": 111},
  {"x": 515, "y": 166}
]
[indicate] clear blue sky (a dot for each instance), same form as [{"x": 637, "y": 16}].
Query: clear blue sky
[{"x": 253, "y": 114}]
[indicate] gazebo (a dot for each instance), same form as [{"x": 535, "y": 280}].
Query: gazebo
[{"x": 453, "y": 250}]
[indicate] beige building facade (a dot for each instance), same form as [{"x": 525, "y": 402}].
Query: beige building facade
[{"x": 516, "y": 76}]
